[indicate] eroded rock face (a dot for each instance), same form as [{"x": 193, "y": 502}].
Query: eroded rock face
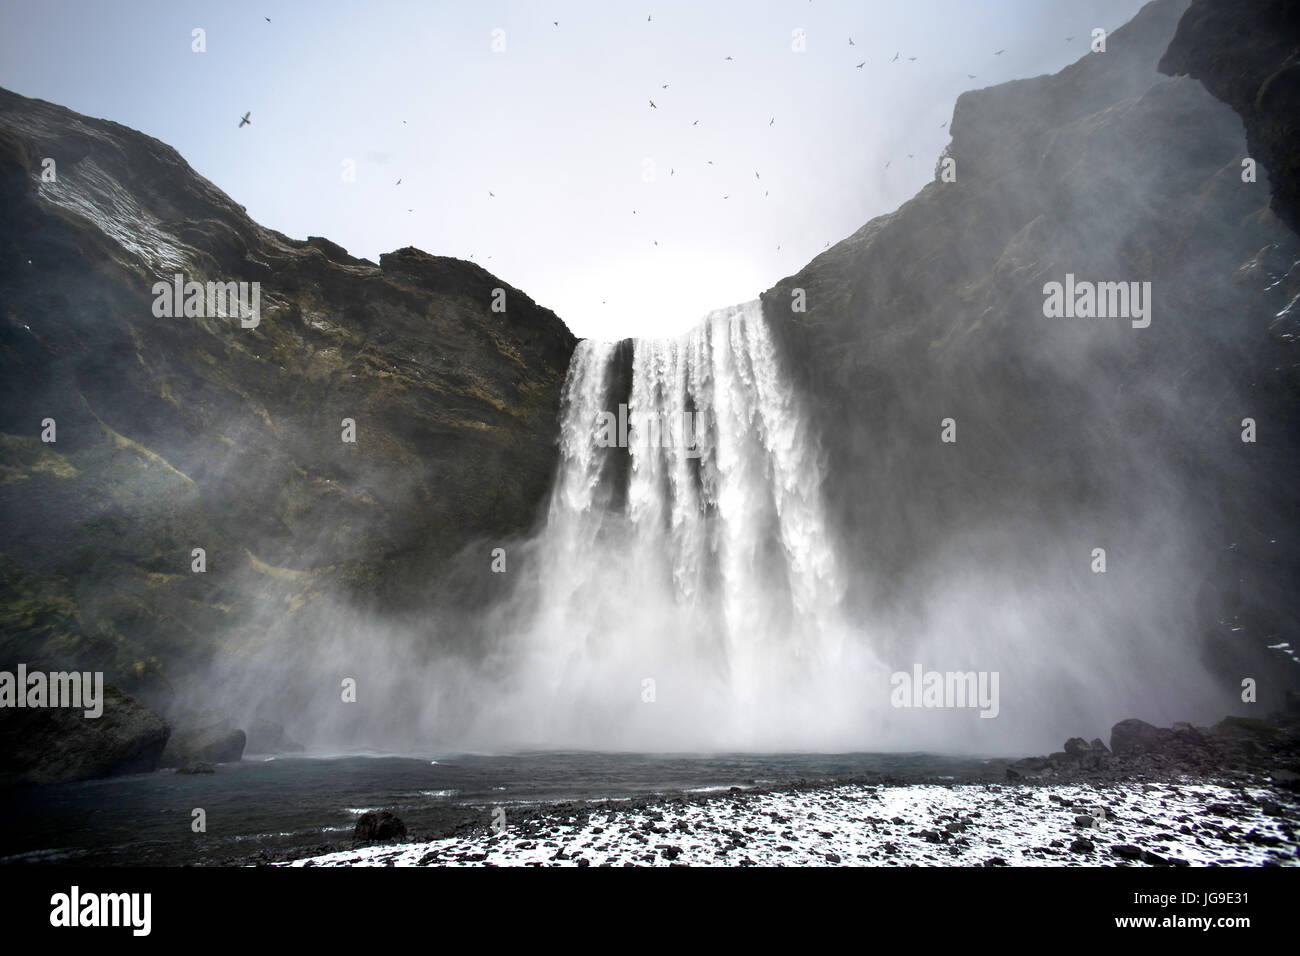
[
  {"x": 59, "y": 745},
  {"x": 1071, "y": 433},
  {"x": 1248, "y": 55},
  {"x": 194, "y": 432}
]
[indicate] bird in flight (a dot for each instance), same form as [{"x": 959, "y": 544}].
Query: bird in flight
[
  {"x": 709, "y": 161},
  {"x": 943, "y": 124},
  {"x": 756, "y": 176},
  {"x": 267, "y": 19},
  {"x": 911, "y": 59},
  {"x": 970, "y": 76},
  {"x": 728, "y": 58},
  {"x": 771, "y": 121},
  {"x": 647, "y": 18},
  {"x": 862, "y": 64},
  {"x": 1068, "y": 39},
  {"x": 696, "y": 123},
  {"x": 1000, "y": 52},
  {"x": 895, "y": 59},
  {"x": 652, "y": 105},
  {"x": 556, "y": 22},
  {"x": 398, "y": 183},
  {"x": 672, "y": 172},
  {"x": 492, "y": 194},
  {"x": 851, "y": 43},
  {"x": 244, "y": 121},
  {"x": 665, "y": 86}
]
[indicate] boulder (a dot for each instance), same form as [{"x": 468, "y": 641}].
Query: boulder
[
  {"x": 268, "y": 737},
  {"x": 57, "y": 745},
  {"x": 1134, "y": 736},
  {"x": 205, "y": 745},
  {"x": 376, "y": 825}
]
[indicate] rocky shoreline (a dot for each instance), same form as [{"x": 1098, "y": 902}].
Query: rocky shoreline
[{"x": 1224, "y": 795}]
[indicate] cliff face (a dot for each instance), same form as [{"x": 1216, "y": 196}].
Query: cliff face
[
  {"x": 1248, "y": 55},
  {"x": 195, "y": 432},
  {"x": 1073, "y": 433}
]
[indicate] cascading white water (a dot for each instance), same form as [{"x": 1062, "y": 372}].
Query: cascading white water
[{"x": 703, "y": 564}]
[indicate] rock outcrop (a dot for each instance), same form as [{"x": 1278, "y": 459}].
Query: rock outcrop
[
  {"x": 204, "y": 746},
  {"x": 59, "y": 745},
  {"x": 1074, "y": 433},
  {"x": 1248, "y": 55},
  {"x": 194, "y": 432}
]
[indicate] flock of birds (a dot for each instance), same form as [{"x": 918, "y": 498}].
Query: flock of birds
[{"x": 246, "y": 120}]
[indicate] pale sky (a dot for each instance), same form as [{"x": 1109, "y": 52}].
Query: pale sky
[{"x": 558, "y": 125}]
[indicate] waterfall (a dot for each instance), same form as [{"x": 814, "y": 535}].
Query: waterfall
[{"x": 686, "y": 587}]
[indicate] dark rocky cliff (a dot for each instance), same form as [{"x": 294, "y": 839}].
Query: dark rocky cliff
[
  {"x": 1248, "y": 55},
  {"x": 180, "y": 433},
  {"x": 1075, "y": 432}
]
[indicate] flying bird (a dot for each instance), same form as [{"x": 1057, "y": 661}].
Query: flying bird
[
  {"x": 652, "y": 105},
  {"x": 943, "y": 124},
  {"x": 244, "y": 121},
  {"x": 756, "y": 176},
  {"x": 696, "y": 123},
  {"x": 887, "y": 164},
  {"x": 709, "y": 161},
  {"x": 492, "y": 194},
  {"x": 970, "y": 76},
  {"x": 771, "y": 121},
  {"x": 728, "y": 58},
  {"x": 672, "y": 172},
  {"x": 851, "y": 43},
  {"x": 1000, "y": 52},
  {"x": 267, "y": 19},
  {"x": 665, "y": 86},
  {"x": 398, "y": 183},
  {"x": 895, "y": 59},
  {"x": 911, "y": 59},
  {"x": 861, "y": 65}
]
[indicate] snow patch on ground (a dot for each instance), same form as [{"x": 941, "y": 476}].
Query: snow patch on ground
[{"x": 928, "y": 825}]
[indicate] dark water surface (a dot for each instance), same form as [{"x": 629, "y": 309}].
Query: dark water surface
[{"x": 287, "y": 804}]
